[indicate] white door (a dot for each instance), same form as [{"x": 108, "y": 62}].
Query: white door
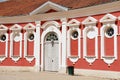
[{"x": 51, "y": 52}]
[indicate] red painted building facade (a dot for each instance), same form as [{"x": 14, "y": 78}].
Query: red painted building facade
[{"x": 53, "y": 37}]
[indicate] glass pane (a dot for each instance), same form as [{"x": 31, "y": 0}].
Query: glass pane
[
  {"x": 75, "y": 34},
  {"x": 110, "y": 31},
  {"x": 51, "y": 37}
]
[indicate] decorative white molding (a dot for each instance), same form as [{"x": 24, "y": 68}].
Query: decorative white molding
[
  {"x": 74, "y": 59},
  {"x": 73, "y": 23},
  {"x": 90, "y": 31},
  {"x": 50, "y": 28},
  {"x": 3, "y": 31},
  {"x": 89, "y": 21},
  {"x": 64, "y": 43},
  {"x": 47, "y": 6},
  {"x": 37, "y": 46},
  {"x": 16, "y": 32},
  {"x": 16, "y": 27},
  {"x": 108, "y": 59},
  {"x": 108, "y": 18},
  {"x": 50, "y": 23},
  {"x": 30, "y": 29},
  {"x": 3, "y": 28},
  {"x": 108, "y": 21},
  {"x": 73, "y": 28}
]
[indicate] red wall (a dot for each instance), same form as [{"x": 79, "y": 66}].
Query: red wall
[
  {"x": 90, "y": 47},
  {"x": 99, "y": 64},
  {"x": 22, "y": 61},
  {"x": 74, "y": 47},
  {"x": 2, "y": 48}
]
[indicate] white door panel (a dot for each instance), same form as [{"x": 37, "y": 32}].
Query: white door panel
[{"x": 51, "y": 56}]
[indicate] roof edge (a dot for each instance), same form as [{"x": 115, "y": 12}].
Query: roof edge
[
  {"x": 47, "y": 6},
  {"x": 99, "y": 9}
]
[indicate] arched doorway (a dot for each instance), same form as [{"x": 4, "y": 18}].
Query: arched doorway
[{"x": 51, "y": 52}]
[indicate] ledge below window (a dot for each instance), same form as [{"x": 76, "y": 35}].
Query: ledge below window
[
  {"x": 15, "y": 58},
  {"x": 29, "y": 58},
  {"x": 90, "y": 59},
  {"x": 108, "y": 59},
  {"x": 2, "y": 57},
  {"x": 73, "y": 58}
]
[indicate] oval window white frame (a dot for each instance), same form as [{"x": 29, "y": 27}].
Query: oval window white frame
[
  {"x": 72, "y": 33},
  {"x": 106, "y": 35},
  {"x": 91, "y": 33}
]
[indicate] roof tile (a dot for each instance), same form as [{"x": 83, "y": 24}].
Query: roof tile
[{"x": 24, "y": 7}]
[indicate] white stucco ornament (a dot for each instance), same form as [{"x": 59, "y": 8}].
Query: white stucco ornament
[
  {"x": 91, "y": 34},
  {"x": 17, "y": 38}
]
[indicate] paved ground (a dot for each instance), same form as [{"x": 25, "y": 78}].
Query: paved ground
[{"x": 44, "y": 76}]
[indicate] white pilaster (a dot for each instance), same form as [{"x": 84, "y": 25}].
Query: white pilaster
[
  {"x": 64, "y": 44},
  {"x": 37, "y": 47}
]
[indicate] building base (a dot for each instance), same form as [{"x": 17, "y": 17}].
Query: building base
[
  {"x": 63, "y": 70},
  {"x": 17, "y": 68},
  {"x": 98, "y": 73}
]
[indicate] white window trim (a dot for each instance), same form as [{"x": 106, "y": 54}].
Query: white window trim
[
  {"x": 15, "y": 28},
  {"x": 4, "y": 29},
  {"x": 29, "y": 30},
  {"x": 73, "y": 23},
  {"x": 75, "y": 57},
  {"x": 108, "y": 20},
  {"x": 90, "y": 22},
  {"x": 50, "y": 28},
  {"x": 74, "y": 26},
  {"x": 52, "y": 23},
  {"x": 108, "y": 59},
  {"x": 90, "y": 59}
]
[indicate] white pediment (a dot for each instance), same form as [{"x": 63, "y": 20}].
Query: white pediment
[
  {"x": 108, "y": 18},
  {"x": 2, "y": 27},
  {"x": 16, "y": 27},
  {"x": 29, "y": 26},
  {"x": 73, "y": 22},
  {"x": 89, "y": 20},
  {"x": 48, "y": 6}
]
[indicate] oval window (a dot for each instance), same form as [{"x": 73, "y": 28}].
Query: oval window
[
  {"x": 17, "y": 37},
  {"x": 3, "y": 37},
  {"x": 31, "y": 36},
  {"x": 109, "y": 32},
  {"x": 75, "y": 34}
]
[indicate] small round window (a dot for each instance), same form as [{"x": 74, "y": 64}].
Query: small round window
[
  {"x": 31, "y": 36},
  {"x": 3, "y": 37},
  {"x": 109, "y": 32},
  {"x": 74, "y": 34}
]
